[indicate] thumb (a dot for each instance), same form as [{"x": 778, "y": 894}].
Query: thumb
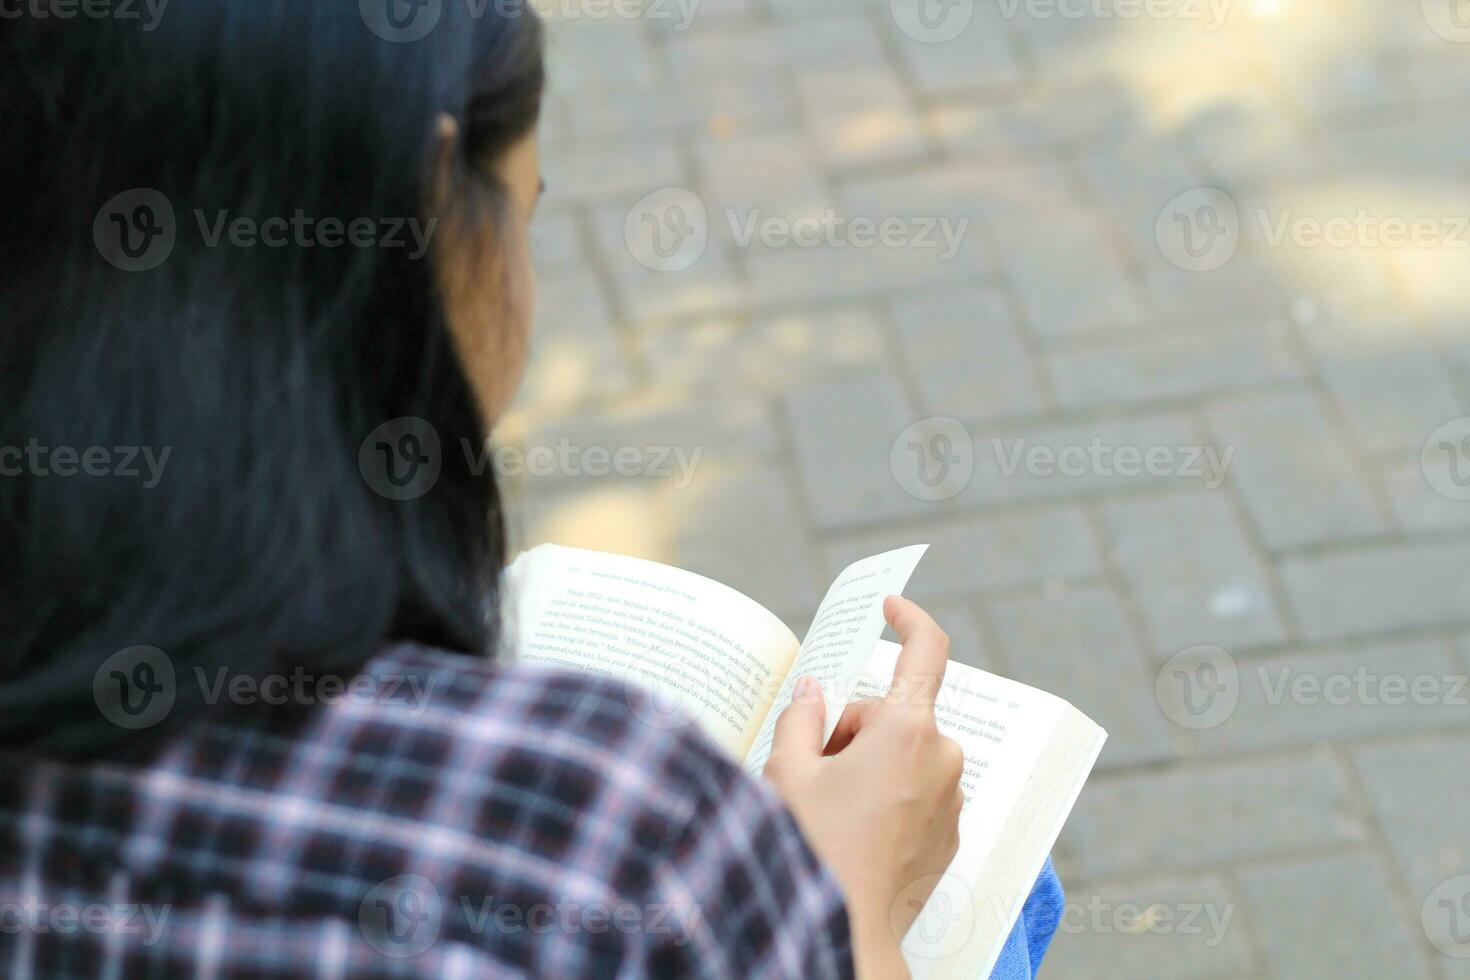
[{"x": 798, "y": 731}]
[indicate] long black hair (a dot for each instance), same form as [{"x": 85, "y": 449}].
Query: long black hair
[{"x": 186, "y": 440}]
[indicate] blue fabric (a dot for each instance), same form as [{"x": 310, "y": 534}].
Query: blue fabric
[{"x": 1027, "y": 943}]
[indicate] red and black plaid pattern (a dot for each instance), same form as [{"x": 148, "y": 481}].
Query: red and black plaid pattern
[{"x": 509, "y": 821}]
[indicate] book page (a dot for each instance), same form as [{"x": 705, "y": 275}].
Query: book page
[
  {"x": 705, "y": 651},
  {"x": 846, "y": 626},
  {"x": 1003, "y": 727}
]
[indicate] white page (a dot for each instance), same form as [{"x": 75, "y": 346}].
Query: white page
[
  {"x": 1003, "y": 726},
  {"x": 847, "y": 625},
  {"x": 704, "y": 650}
]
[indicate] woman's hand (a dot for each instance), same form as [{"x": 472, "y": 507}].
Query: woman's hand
[{"x": 882, "y": 807}]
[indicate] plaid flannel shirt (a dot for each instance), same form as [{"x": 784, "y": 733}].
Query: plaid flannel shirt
[{"x": 487, "y": 821}]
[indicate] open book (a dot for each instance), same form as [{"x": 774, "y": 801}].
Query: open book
[{"x": 712, "y": 655}]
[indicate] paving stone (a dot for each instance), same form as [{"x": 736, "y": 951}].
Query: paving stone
[
  {"x": 835, "y": 41},
  {"x": 1402, "y": 144},
  {"x": 741, "y": 526},
  {"x": 1067, "y": 274},
  {"x": 827, "y": 273},
  {"x": 576, "y": 353},
  {"x": 555, "y": 242},
  {"x": 626, "y": 171},
  {"x": 860, "y": 117},
  {"x": 619, "y": 112},
  {"x": 710, "y": 284},
  {"x": 1207, "y": 814},
  {"x": 1417, "y": 506},
  {"x": 983, "y": 554},
  {"x": 967, "y": 355},
  {"x": 1379, "y": 589},
  {"x": 1391, "y": 386},
  {"x": 1328, "y": 917},
  {"x": 987, "y": 192},
  {"x": 1176, "y": 365},
  {"x": 1079, "y": 646},
  {"x": 1421, "y": 798},
  {"x": 1361, "y": 693},
  {"x": 982, "y": 55},
  {"x": 1106, "y": 454},
  {"x": 1154, "y": 927},
  {"x": 772, "y": 172},
  {"x": 1031, "y": 121},
  {"x": 1134, "y": 181},
  {"x": 842, "y": 434},
  {"x": 1193, "y": 573},
  {"x": 1296, "y": 479},
  {"x": 1248, "y": 139},
  {"x": 771, "y": 354}
]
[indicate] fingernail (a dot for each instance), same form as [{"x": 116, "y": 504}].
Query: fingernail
[{"x": 804, "y": 687}]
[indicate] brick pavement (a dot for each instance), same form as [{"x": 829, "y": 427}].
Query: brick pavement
[{"x": 1108, "y": 242}]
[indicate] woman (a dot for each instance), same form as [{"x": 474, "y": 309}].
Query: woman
[{"x": 212, "y": 268}]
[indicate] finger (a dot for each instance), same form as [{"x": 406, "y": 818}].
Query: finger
[
  {"x": 798, "y": 731},
  {"x": 921, "y": 663},
  {"x": 854, "y": 717}
]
